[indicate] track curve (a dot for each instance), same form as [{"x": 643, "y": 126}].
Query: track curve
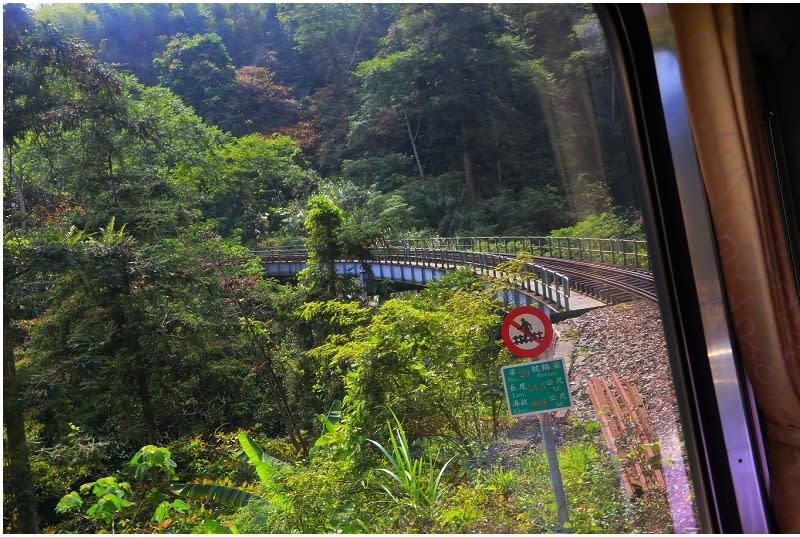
[{"x": 605, "y": 282}]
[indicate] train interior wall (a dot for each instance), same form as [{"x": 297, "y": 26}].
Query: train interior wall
[{"x": 775, "y": 48}]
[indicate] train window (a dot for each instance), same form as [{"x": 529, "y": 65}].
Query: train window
[
  {"x": 612, "y": 333},
  {"x": 699, "y": 93},
  {"x": 657, "y": 372}
]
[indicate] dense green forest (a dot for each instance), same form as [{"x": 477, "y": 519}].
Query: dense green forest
[{"x": 155, "y": 380}]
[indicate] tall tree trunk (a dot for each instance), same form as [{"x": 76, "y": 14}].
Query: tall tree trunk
[
  {"x": 496, "y": 139},
  {"x": 148, "y": 415},
  {"x": 23, "y": 208},
  {"x": 413, "y": 139},
  {"x": 27, "y": 517},
  {"x": 354, "y": 54},
  {"x": 140, "y": 377},
  {"x": 469, "y": 176}
]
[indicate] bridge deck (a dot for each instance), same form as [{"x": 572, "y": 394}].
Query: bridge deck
[
  {"x": 418, "y": 274},
  {"x": 580, "y": 302}
]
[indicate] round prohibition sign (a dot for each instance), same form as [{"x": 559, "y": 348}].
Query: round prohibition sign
[{"x": 527, "y": 331}]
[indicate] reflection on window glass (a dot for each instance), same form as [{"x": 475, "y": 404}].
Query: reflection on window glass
[{"x": 625, "y": 414}]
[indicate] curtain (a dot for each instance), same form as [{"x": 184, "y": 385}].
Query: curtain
[{"x": 759, "y": 281}]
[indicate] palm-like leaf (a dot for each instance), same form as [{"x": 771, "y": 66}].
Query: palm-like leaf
[
  {"x": 262, "y": 462},
  {"x": 227, "y": 496},
  {"x": 236, "y": 497}
]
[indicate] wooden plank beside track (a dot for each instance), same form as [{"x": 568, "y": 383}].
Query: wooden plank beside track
[{"x": 627, "y": 432}]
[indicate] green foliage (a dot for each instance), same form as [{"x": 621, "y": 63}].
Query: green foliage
[
  {"x": 332, "y": 418},
  {"x": 503, "y": 481},
  {"x": 431, "y": 358},
  {"x": 249, "y": 176},
  {"x": 323, "y": 221},
  {"x": 331, "y": 39},
  {"x": 235, "y": 497},
  {"x": 69, "y": 502},
  {"x": 330, "y": 239},
  {"x": 140, "y": 170},
  {"x": 261, "y": 104},
  {"x": 517, "y": 270},
  {"x": 264, "y": 464},
  {"x": 416, "y": 485},
  {"x": 199, "y": 69},
  {"x": 111, "y": 500},
  {"x": 111, "y": 322},
  {"x": 56, "y": 468},
  {"x": 221, "y": 494},
  {"x": 166, "y": 509},
  {"x": 49, "y": 80},
  {"x": 148, "y": 506},
  {"x": 152, "y": 457},
  {"x": 605, "y": 225},
  {"x": 324, "y": 495}
]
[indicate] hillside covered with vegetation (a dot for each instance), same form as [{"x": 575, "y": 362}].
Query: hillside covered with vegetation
[{"x": 155, "y": 380}]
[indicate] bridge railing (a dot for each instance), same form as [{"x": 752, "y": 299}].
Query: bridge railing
[
  {"x": 483, "y": 254},
  {"x": 282, "y": 254},
  {"x": 543, "y": 282},
  {"x": 623, "y": 252}
]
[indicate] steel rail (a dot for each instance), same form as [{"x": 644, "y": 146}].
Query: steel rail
[{"x": 585, "y": 277}]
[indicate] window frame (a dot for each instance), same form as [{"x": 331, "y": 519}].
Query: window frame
[{"x": 719, "y": 419}]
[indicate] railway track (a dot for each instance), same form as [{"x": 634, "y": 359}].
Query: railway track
[{"x": 609, "y": 283}]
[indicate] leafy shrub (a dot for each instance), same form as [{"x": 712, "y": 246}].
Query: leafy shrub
[
  {"x": 416, "y": 487},
  {"x": 606, "y": 225}
]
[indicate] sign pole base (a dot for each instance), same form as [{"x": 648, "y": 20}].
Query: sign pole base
[{"x": 555, "y": 472}]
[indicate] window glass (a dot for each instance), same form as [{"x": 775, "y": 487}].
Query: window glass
[{"x": 624, "y": 414}]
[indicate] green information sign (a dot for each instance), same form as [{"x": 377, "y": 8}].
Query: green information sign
[{"x": 535, "y": 387}]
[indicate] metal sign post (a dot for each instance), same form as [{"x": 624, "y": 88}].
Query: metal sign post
[
  {"x": 537, "y": 387},
  {"x": 555, "y": 469}
]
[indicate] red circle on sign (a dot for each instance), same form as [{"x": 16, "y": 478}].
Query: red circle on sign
[{"x": 519, "y": 332}]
